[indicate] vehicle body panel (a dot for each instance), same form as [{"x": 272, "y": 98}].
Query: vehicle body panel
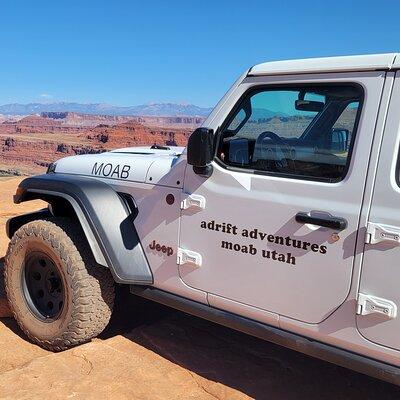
[
  {"x": 312, "y": 289},
  {"x": 368, "y": 62},
  {"x": 130, "y": 164},
  {"x": 380, "y": 271},
  {"x": 105, "y": 218}
]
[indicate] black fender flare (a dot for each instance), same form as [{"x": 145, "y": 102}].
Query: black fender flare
[{"x": 106, "y": 219}]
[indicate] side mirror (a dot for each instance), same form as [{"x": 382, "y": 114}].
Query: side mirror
[
  {"x": 200, "y": 151},
  {"x": 340, "y": 139}
]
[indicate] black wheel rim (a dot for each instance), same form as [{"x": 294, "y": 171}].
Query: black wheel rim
[{"x": 43, "y": 286}]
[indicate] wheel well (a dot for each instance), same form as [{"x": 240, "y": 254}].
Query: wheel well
[
  {"x": 60, "y": 207},
  {"x": 57, "y": 207}
]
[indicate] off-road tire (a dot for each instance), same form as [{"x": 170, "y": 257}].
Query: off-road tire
[{"x": 88, "y": 288}]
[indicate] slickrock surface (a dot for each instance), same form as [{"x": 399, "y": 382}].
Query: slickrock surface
[
  {"x": 117, "y": 368},
  {"x": 150, "y": 352},
  {"x": 15, "y": 351}
]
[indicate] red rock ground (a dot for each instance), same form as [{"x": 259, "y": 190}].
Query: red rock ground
[{"x": 150, "y": 352}]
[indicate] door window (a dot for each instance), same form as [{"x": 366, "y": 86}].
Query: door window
[{"x": 303, "y": 132}]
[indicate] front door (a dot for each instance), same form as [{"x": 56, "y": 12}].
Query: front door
[{"x": 278, "y": 228}]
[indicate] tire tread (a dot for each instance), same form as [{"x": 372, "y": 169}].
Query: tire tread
[{"x": 92, "y": 285}]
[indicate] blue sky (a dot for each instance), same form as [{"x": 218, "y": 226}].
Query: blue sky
[{"x": 135, "y": 52}]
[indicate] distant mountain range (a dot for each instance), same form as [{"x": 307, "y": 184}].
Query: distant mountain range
[
  {"x": 152, "y": 109},
  {"x": 263, "y": 113}
]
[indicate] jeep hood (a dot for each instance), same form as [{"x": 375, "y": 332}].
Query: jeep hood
[{"x": 162, "y": 166}]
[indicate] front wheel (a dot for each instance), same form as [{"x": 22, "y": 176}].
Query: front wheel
[{"x": 58, "y": 295}]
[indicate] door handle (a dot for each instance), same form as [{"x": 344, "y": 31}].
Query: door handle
[{"x": 336, "y": 223}]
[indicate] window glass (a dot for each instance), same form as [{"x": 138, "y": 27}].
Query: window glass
[{"x": 303, "y": 132}]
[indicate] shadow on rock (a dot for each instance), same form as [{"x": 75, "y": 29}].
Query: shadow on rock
[{"x": 252, "y": 366}]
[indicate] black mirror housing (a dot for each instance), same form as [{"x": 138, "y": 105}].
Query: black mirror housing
[{"x": 200, "y": 149}]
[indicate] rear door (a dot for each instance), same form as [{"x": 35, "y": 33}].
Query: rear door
[
  {"x": 284, "y": 161},
  {"x": 379, "y": 303}
]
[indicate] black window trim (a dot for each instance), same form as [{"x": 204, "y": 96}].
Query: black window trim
[{"x": 259, "y": 88}]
